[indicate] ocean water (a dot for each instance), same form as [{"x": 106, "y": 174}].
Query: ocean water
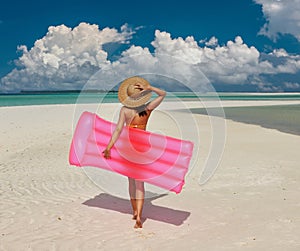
[
  {"x": 55, "y": 98},
  {"x": 112, "y": 97}
]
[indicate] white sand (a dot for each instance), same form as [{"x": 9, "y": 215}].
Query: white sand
[{"x": 251, "y": 203}]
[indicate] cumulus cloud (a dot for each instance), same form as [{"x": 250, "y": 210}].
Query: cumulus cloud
[
  {"x": 212, "y": 42},
  {"x": 282, "y": 17},
  {"x": 233, "y": 63},
  {"x": 290, "y": 85},
  {"x": 183, "y": 59},
  {"x": 64, "y": 57},
  {"x": 67, "y": 58}
]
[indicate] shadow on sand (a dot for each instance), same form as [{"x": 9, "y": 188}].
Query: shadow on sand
[{"x": 150, "y": 211}]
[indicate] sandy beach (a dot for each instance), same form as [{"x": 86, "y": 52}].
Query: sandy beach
[{"x": 250, "y": 203}]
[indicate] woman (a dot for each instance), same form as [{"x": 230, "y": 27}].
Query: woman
[{"x": 134, "y": 93}]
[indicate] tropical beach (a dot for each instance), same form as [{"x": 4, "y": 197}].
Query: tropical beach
[
  {"x": 249, "y": 203},
  {"x": 221, "y": 76}
]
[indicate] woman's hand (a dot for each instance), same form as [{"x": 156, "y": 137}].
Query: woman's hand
[
  {"x": 142, "y": 87},
  {"x": 106, "y": 154}
]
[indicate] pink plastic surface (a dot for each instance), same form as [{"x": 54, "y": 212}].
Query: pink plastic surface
[{"x": 157, "y": 159}]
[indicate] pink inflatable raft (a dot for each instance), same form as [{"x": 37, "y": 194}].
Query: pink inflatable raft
[{"x": 157, "y": 159}]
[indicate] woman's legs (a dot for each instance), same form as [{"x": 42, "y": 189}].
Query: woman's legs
[
  {"x": 132, "y": 195},
  {"x": 137, "y": 196},
  {"x": 140, "y": 195}
]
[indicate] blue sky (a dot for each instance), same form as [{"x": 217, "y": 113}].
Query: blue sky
[{"x": 265, "y": 29}]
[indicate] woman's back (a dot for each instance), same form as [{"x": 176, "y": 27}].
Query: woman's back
[{"x": 136, "y": 119}]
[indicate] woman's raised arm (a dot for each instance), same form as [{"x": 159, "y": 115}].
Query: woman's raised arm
[{"x": 156, "y": 102}]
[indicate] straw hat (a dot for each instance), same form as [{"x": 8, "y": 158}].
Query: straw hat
[{"x": 131, "y": 95}]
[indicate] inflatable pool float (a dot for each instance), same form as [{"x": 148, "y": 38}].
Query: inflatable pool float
[{"x": 160, "y": 160}]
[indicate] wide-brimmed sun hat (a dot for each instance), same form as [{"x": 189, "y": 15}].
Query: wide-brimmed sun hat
[{"x": 130, "y": 95}]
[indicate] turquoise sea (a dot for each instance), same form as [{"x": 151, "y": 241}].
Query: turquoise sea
[
  {"x": 285, "y": 118},
  {"x": 112, "y": 97}
]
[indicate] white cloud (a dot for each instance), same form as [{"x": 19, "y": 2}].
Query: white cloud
[
  {"x": 292, "y": 85},
  {"x": 184, "y": 59},
  {"x": 285, "y": 63},
  {"x": 66, "y": 58},
  {"x": 232, "y": 63},
  {"x": 267, "y": 87},
  {"x": 212, "y": 42},
  {"x": 183, "y": 49},
  {"x": 282, "y": 17}
]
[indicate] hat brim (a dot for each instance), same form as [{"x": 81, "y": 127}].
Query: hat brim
[{"x": 138, "y": 100}]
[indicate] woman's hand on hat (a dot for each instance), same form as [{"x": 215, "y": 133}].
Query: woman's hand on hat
[
  {"x": 141, "y": 87},
  {"x": 106, "y": 153}
]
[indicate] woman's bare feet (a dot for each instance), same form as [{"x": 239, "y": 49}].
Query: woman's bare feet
[
  {"x": 134, "y": 216},
  {"x": 138, "y": 223}
]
